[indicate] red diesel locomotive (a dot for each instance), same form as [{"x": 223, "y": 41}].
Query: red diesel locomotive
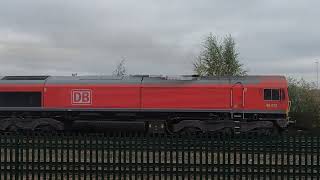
[{"x": 147, "y": 103}]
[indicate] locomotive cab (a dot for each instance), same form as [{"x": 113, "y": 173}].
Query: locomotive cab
[
  {"x": 276, "y": 104},
  {"x": 274, "y": 98}
]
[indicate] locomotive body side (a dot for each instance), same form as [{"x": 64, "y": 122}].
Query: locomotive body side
[
  {"x": 242, "y": 100},
  {"x": 186, "y": 97},
  {"x": 151, "y": 104},
  {"x": 92, "y": 93},
  {"x": 215, "y": 96}
]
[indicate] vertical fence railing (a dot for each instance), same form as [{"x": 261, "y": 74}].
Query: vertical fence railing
[{"x": 137, "y": 156}]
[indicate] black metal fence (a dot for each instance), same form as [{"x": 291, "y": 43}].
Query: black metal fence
[{"x": 134, "y": 156}]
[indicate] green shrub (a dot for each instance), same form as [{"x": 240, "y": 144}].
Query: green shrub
[{"x": 305, "y": 103}]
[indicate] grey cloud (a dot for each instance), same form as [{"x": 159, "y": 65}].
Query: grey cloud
[{"x": 156, "y": 37}]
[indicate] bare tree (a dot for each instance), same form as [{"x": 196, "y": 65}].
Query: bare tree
[{"x": 120, "y": 70}]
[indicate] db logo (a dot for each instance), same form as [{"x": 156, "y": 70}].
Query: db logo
[{"x": 81, "y": 97}]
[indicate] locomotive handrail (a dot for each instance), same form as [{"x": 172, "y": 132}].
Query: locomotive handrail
[
  {"x": 231, "y": 98},
  {"x": 290, "y": 102},
  {"x": 243, "y": 94}
]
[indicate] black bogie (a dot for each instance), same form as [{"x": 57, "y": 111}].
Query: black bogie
[{"x": 151, "y": 122}]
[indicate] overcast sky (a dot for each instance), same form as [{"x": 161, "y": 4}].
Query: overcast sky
[{"x": 60, "y": 37}]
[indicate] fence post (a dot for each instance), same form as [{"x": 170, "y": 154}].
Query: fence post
[
  {"x": 318, "y": 159},
  {"x": 16, "y": 156},
  {"x": 108, "y": 148},
  {"x": 5, "y": 155},
  {"x": 310, "y": 146},
  {"x": 96, "y": 155},
  {"x": 247, "y": 158},
  {"x": 294, "y": 155},
  {"x": 300, "y": 156},
  {"x": 102, "y": 155},
  {"x": 133, "y": 156}
]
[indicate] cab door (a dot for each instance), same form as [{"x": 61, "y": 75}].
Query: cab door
[{"x": 237, "y": 99}]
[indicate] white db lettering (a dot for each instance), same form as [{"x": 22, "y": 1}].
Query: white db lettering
[{"x": 81, "y": 97}]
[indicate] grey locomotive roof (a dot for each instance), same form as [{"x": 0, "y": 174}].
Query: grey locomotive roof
[
  {"x": 93, "y": 80},
  {"x": 23, "y": 79},
  {"x": 137, "y": 79}
]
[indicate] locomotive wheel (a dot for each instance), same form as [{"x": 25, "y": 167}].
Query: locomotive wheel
[
  {"x": 47, "y": 125},
  {"x": 12, "y": 128},
  {"x": 227, "y": 132},
  {"x": 189, "y": 131},
  {"x": 45, "y": 128},
  {"x": 274, "y": 131},
  {"x": 221, "y": 133},
  {"x": 264, "y": 132}
]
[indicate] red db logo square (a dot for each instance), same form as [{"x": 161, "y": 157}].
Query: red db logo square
[{"x": 81, "y": 97}]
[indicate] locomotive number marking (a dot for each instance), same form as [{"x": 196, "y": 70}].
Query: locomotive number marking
[
  {"x": 271, "y": 105},
  {"x": 81, "y": 97}
]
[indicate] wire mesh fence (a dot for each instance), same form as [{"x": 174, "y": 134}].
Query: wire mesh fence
[{"x": 139, "y": 156}]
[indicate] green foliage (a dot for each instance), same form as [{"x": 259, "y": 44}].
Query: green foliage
[
  {"x": 305, "y": 103},
  {"x": 219, "y": 58}
]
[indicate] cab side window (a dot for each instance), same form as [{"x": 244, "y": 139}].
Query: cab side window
[
  {"x": 275, "y": 94},
  {"x": 272, "y": 94},
  {"x": 267, "y": 94}
]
